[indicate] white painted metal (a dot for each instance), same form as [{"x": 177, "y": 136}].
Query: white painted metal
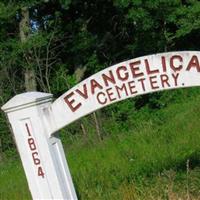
[
  {"x": 39, "y": 152},
  {"x": 174, "y": 66}
]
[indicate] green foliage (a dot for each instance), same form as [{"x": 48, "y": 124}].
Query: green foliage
[
  {"x": 187, "y": 18},
  {"x": 67, "y": 35},
  {"x": 16, "y": 188},
  {"x": 7, "y": 11},
  {"x": 62, "y": 81},
  {"x": 65, "y": 3}
]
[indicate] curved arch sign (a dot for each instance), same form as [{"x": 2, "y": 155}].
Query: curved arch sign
[
  {"x": 34, "y": 119},
  {"x": 127, "y": 79}
]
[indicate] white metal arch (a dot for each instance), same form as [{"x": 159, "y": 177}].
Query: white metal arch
[{"x": 127, "y": 79}]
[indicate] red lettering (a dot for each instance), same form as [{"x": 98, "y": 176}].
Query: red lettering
[
  {"x": 131, "y": 85},
  {"x": 142, "y": 83},
  {"x": 149, "y": 71},
  {"x": 153, "y": 82},
  {"x": 164, "y": 64},
  {"x": 109, "y": 78},
  {"x": 40, "y": 172},
  {"x": 135, "y": 69},
  {"x": 173, "y": 67},
  {"x": 122, "y": 88},
  {"x": 119, "y": 75},
  {"x": 32, "y": 146},
  {"x": 95, "y": 85},
  {"x": 71, "y": 102},
  {"x": 31, "y": 143},
  {"x": 101, "y": 101},
  {"x": 164, "y": 80},
  {"x": 83, "y": 93},
  {"x": 27, "y": 129},
  {"x": 110, "y": 94},
  {"x": 175, "y": 77},
  {"x": 194, "y": 62},
  {"x": 36, "y": 160}
]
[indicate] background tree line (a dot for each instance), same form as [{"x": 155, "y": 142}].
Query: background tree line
[{"x": 50, "y": 45}]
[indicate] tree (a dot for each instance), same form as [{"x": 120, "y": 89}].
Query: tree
[
  {"x": 51, "y": 45},
  {"x": 24, "y": 31}
]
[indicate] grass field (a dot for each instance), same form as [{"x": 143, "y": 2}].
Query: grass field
[{"x": 157, "y": 159}]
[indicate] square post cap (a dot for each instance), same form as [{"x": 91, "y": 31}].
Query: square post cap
[{"x": 27, "y": 99}]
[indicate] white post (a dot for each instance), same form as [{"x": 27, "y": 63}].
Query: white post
[{"x": 42, "y": 156}]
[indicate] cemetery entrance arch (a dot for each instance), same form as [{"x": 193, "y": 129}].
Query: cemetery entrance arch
[{"x": 35, "y": 119}]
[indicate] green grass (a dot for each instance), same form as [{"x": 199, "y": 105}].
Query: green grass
[
  {"x": 157, "y": 159},
  {"x": 133, "y": 158},
  {"x": 13, "y": 183}
]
